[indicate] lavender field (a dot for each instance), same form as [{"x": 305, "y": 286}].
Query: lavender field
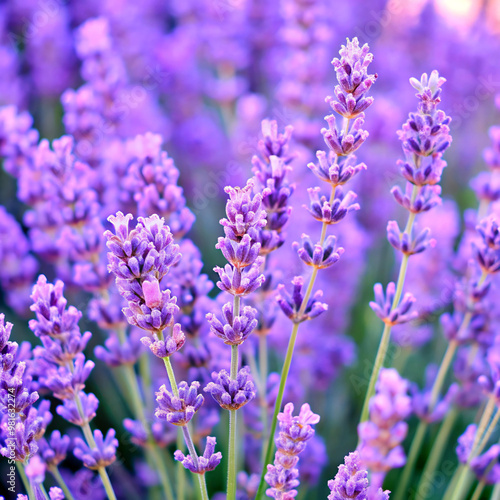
[{"x": 250, "y": 249}]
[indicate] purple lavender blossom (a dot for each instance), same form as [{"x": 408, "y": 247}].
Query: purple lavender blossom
[
  {"x": 54, "y": 449},
  {"x": 291, "y": 303},
  {"x": 381, "y": 436},
  {"x": 233, "y": 330},
  {"x": 206, "y": 463},
  {"x": 331, "y": 212},
  {"x": 383, "y": 305},
  {"x": 168, "y": 346},
  {"x": 317, "y": 255},
  {"x": 178, "y": 410},
  {"x": 335, "y": 170},
  {"x": 351, "y": 480},
  {"x": 354, "y": 80},
  {"x": 70, "y": 411},
  {"x": 140, "y": 258},
  {"x": 294, "y": 432},
  {"x": 232, "y": 394},
  {"x": 102, "y": 455}
]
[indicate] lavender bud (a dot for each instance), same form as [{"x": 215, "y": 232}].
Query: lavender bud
[
  {"x": 336, "y": 170},
  {"x": 351, "y": 481},
  {"x": 242, "y": 282},
  {"x": 178, "y": 410},
  {"x": 165, "y": 348},
  {"x": 206, "y": 463},
  {"x": 318, "y": 256},
  {"x": 102, "y": 455},
  {"x": 70, "y": 412},
  {"x": 232, "y": 394},
  {"x": 291, "y": 304},
  {"x": 382, "y": 306},
  {"x": 404, "y": 243},
  {"x": 331, "y": 213},
  {"x": 233, "y": 330},
  {"x": 341, "y": 142}
]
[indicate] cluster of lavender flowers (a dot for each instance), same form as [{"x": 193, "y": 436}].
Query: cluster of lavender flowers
[{"x": 96, "y": 95}]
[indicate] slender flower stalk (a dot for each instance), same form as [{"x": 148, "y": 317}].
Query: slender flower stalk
[
  {"x": 335, "y": 168},
  {"x": 425, "y": 137}
]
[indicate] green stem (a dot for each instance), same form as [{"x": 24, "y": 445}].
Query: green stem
[
  {"x": 152, "y": 451},
  {"x": 25, "y": 480},
  {"x": 487, "y": 434},
  {"x": 479, "y": 489},
  {"x": 465, "y": 477},
  {"x": 203, "y": 486},
  {"x": 416, "y": 444},
  {"x": 171, "y": 376},
  {"x": 60, "y": 481},
  {"x": 181, "y": 471},
  {"x": 87, "y": 432},
  {"x": 496, "y": 492},
  {"x": 443, "y": 370},
  {"x": 231, "y": 469},
  {"x": 232, "y": 451},
  {"x": 437, "y": 451},
  {"x": 379, "y": 360}
]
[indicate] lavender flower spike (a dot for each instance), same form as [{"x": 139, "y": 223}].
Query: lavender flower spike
[
  {"x": 320, "y": 256},
  {"x": 383, "y": 304},
  {"x": 102, "y": 455},
  {"x": 351, "y": 481},
  {"x": 232, "y": 394},
  {"x": 354, "y": 80},
  {"x": 233, "y": 330},
  {"x": 291, "y": 303},
  {"x": 178, "y": 410},
  {"x": 165, "y": 348},
  {"x": 208, "y": 462}
]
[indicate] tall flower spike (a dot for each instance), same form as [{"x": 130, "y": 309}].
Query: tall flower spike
[{"x": 140, "y": 259}]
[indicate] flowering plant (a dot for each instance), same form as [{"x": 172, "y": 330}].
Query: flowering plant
[{"x": 138, "y": 362}]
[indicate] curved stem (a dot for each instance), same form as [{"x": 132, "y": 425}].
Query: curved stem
[
  {"x": 416, "y": 444},
  {"x": 437, "y": 451},
  {"x": 60, "y": 481}
]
